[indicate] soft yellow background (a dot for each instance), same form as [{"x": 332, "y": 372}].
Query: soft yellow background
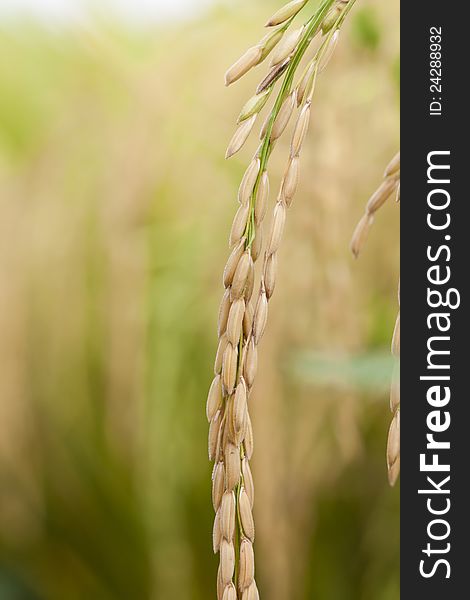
[{"x": 115, "y": 207}]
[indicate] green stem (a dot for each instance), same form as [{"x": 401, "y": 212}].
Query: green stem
[
  {"x": 311, "y": 29},
  {"x": 312, "y": 26}
]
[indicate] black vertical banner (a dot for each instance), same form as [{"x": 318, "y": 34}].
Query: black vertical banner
[{"x": 435, "y": 270}]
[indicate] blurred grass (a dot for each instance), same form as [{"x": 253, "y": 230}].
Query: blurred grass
[
  {"x": 369, "y": 372},
  {"x": 114, "y": 210}
]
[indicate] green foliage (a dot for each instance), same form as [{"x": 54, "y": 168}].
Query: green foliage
[
  {"x": 366, "y": 28},
  {"x": 369, "y": 372}
]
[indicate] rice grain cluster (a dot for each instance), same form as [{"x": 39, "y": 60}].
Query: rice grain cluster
[
  {"x": 243, "y": 311},
  {"x": 390, "y": 186}
]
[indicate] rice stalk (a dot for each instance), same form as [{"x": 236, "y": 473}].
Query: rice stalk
[
  {"x": 242, "y": 320},
  {"x": 390, "y": 186}
]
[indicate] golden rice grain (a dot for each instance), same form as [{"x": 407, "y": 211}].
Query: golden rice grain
[
  {"x": 220, "y": 585},
  {"x": 248, "y": 319},
  {"x": 270, "y": 41},
  {"x": 248, "y": 481},
  {"x": 284, "y": 116},
  {"x": 241, "y": 275},
  {"x": 214, "y": 428},
  {"x": 248, "y": 441},
  {"x": 396, "y": 338},
  {"x": 232, "y": 262},
  {"x": 305, "y": 82},
  {"x": 393, "y": 166},
  {"x": 239, "y": 224},
  {"x": 257, "y": 244},
  {"x": 381, "y": 195},
  {"x": 325, "y": 59},
  {"x": 246, "y": 62},
  {"x": 261, "y": 200},
  {"x": 250, "y": 283},
  {"x": 286, "y": 12},
  {"x": 224, "y": 310},
  {"x": 240, "y": 410},
  {"x": 393, "y": 449},
  {"x": 218, "y": 484},
  {"x": 253, "y": 106},
  {"x": 232, "y": 466},
  {"x": 277, "y": 228},
  {"x": 246, "y": 516},
  {"x": 214, "y": 398},
  {"x": 235, "y": 320},
  {"x": 220, "y": 354},
  {"x": 261, "y": 317},
  {"x": 246, "y": 571},
  {"x": 227, "y": 515},
  {"x": 286, "y": 46},
  {"x": 248, "y": 181},
  {"x": 250, "y": 593},
  {"x": 223, "y": 437},
  {"x": 291, "y": 180},
  {"x": 251, "y": 364},
  {"x": 330, "y": 20},
  {"x": 227, "y": 561},
  {"x": 395, "y": 388},
  {"x": 230, "y": 592},
  {"x": 269, "y": 275},
  {"x": 360, "y": 234},
  {"x": 300, "y": 131},
  {"x": 229, "y": 367},
  {"x": 273, "y": 75},
  {"x": 240, "y": 136},
  {"x": 216, "y": 533}
]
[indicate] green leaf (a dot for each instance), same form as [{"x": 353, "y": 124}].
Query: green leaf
[{"x": 367, "y": 372}]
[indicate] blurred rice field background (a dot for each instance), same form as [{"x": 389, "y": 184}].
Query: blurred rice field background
[{"x": 115, "y": 207}]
